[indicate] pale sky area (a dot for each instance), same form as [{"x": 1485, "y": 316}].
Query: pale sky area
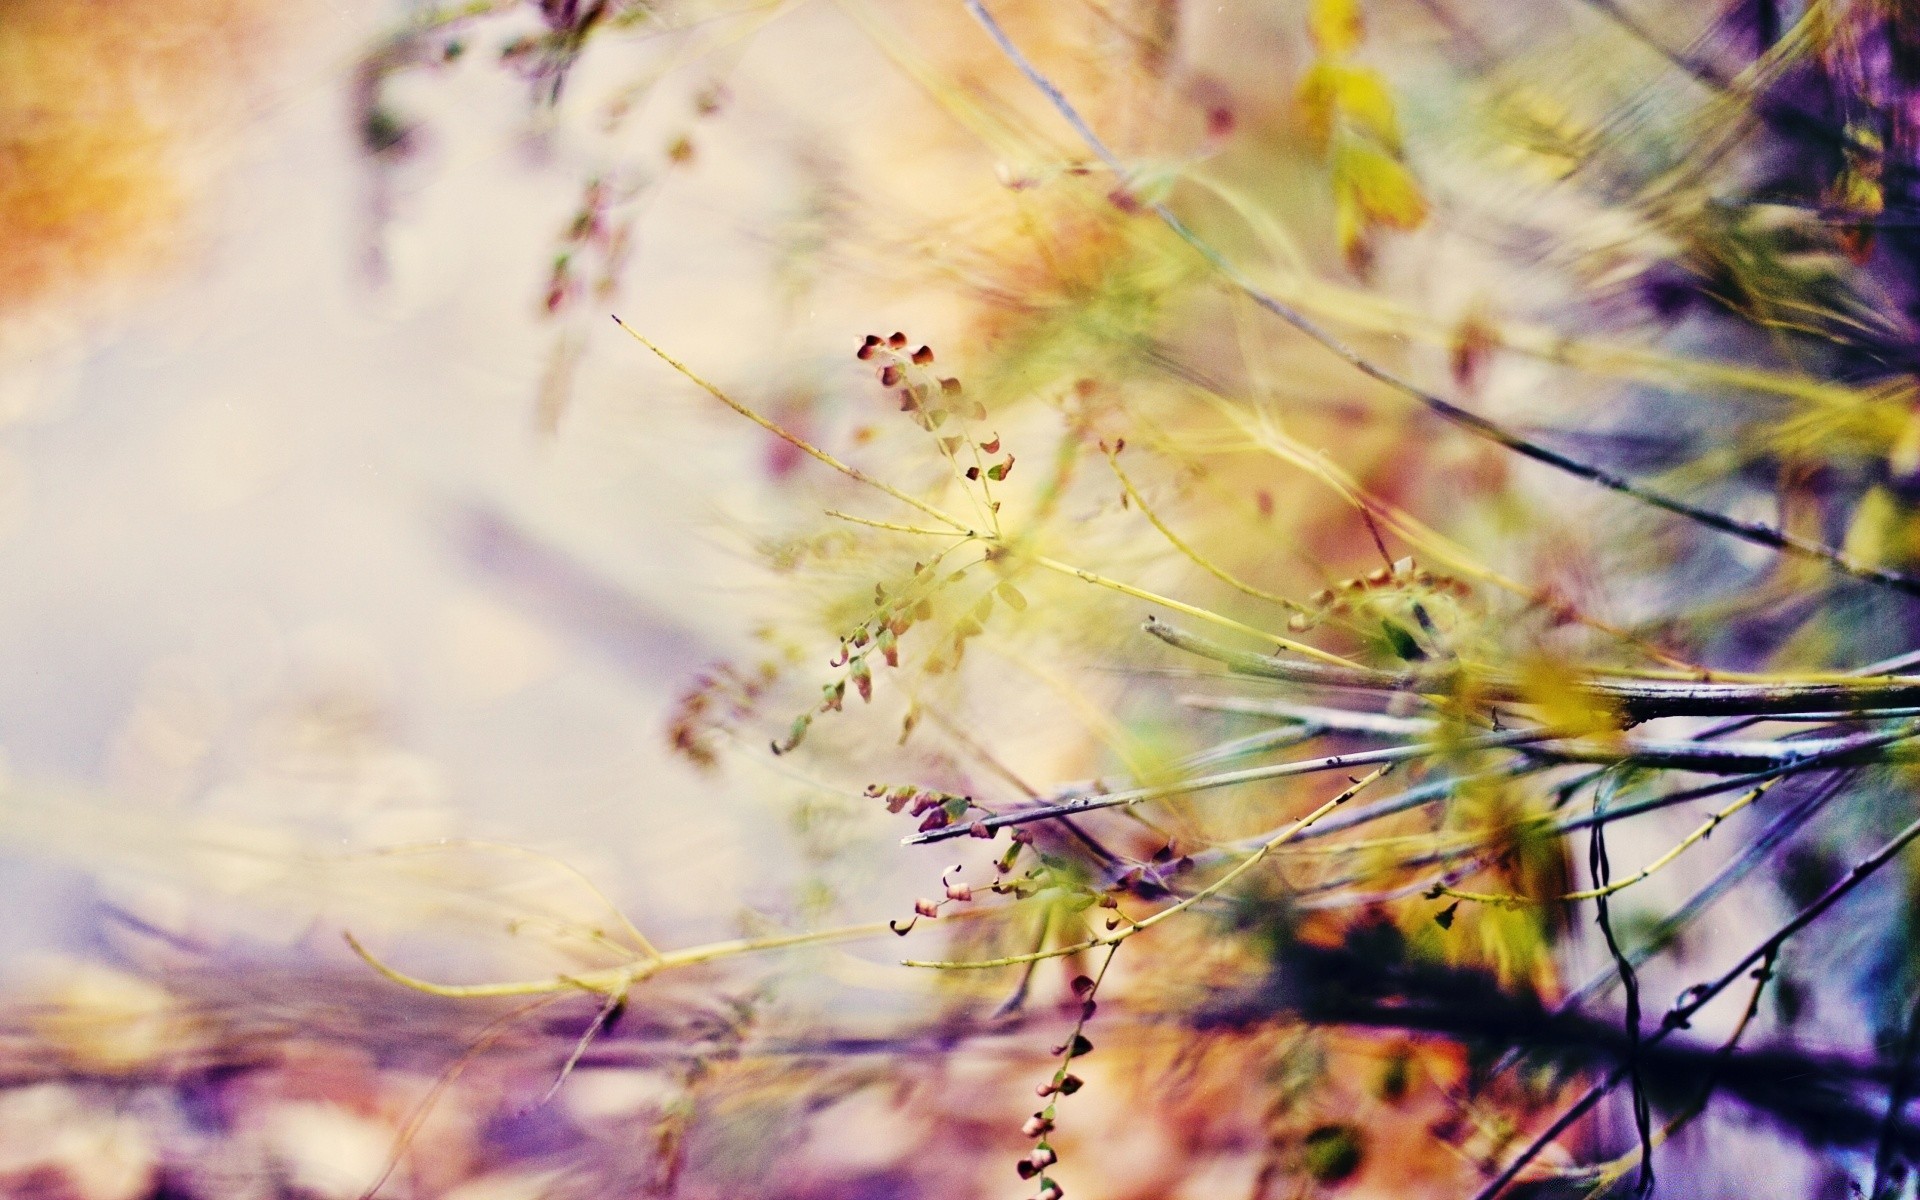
[{"x": 270, "y": 477}]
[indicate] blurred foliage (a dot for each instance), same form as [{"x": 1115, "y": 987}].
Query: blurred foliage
[
  {"x": 100, "y": 106},
  {"x": 1508, "y": 412}
]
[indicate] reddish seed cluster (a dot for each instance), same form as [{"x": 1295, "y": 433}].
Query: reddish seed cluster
[
  {"x": 1404, "y": 575},
  {"x": 956, "y": 892},
  {"x": 1063, "y": 1083},
  {"x": 932, "y": 401},
  {"x": 936, "y": 809},
  {"x": 592, "y": 237},
  {"x": 720, "y": 698},
  {"x": 892, "y": 616}
]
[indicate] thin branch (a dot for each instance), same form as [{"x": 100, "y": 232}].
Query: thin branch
[
  {"x": 1637, "y": 699},
  {"x": 1330, "y": 720},
  {"x": 1332, "y": 762},
  {"x": 1206, "y": 564},
  {"x": 792, "y": 439},
  {"x": 1740, "y": 760},
  {"x": 1751, "y": 855},
  {"x": 1115, "y": 937},
  {"x": 496, "y": 1029},
  {"x": 895, "y": 527},
  {"x": 1601, "y": 891},
  {"x": 1601, "y": 871},
  {"x": 1550, "y": 827},
  {"x": 1127, "y": 589}
]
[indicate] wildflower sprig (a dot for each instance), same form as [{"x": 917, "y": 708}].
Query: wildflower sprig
[
  {"x": 937, "y": 403},
  {"x": 1063, "y": 1082},
  {"x": 940, "y": 406}
]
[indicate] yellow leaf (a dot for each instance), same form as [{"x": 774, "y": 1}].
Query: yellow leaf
[
  {"x": 1356, "y": 95},
  {"x": 1335, "y": 26},
  {"x": 1372, "y": 187},
  {"x": 1552, "y": 687},
  {"x": 1873, "y": 521}
]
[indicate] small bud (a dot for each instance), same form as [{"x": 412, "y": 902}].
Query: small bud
[
  {"x": 960, "y": 892},
  {"x": 979, "y": 829},
  {"x": 889, "y": 375},
  {"x": 1037, "y": 1126},
  {"x": 923, "y": 356},
  {"x": 926, "y": 908},
  {"x": 1049, "y": 1190},
  {"x": 1042, "y": 1158},
  {"x": 897, "y": 340}
]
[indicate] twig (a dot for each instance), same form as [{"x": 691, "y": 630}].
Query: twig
[
  {"x": 1601, "y": 890},
  {"x": 1751, "y": 855},
  {"x": 792, "y": 439},
  {"x": 1206, "y": 564},
  {"x": 1637, "y": 699},
  {"x": 1331, "y": 720},
  {"x": 1332, "y": 762},
  {"x": 1115, "y": 937},
  {"x": 1602, "y": 872}
]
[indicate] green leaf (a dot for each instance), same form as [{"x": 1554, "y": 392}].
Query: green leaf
[
  {"x": 1402, "y": 641},
  {"x": 796, "y": 733}
]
